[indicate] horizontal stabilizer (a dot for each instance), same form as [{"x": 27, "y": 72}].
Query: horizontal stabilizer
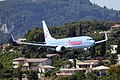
[
  {"x": 37, "y": 44},
  {"x": 14, "y": 39}
]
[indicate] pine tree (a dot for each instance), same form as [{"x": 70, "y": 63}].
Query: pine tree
[
  {"x": 80, "y": 27},
  {"x": 92, "y": 51},
  {"x": 118, "y": 48},
  {"x": 72, "y": 32},
  {"x": 103, "y": 48}
]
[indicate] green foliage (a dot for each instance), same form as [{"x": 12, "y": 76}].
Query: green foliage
[
  {"x": 6, "y": 61},
  {"x": 35, "y": 35},
  {"x": 68, "y": 29},
  {"x": 113, "y": 58},
  {"x": 92, "y": 51},
  {"x": 80, "y": 75},
  {"x": 32, "y": 75},
  {"x": 80, "y": 30},
  {"x": 92, "y": 75},
  {"x": 58, "y": 63},
  {"x": 118, "y": 49},
  {"x": 17, "y": 73},
  {"x": 7, "y": 58},
  {"x": 114, "y": 71},
  {"x": 48, "y": 74},
  {"x": 103, "y": 48},
  {"x": 72, "y": 32},
  {"x": 27, "y": 14},
  {"x": 77, "y": 76}
]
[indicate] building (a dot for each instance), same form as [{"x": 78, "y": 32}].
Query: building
[
  {"x": 31, "y": 63},
  {"x": 113, "y": 48},
  {"x": 68, "y": 71},
  {"x": 116, "y": 26},
  {"x": 52, "y": 56},
  {"x": 5, "y": 46},
  {"x": 43, "y": 65},
  {"x": 86, "y": 64},
  {"x": 103, "y": 32},
  {"x": 118, "y": 60},
  {"x": 101, "y": 69},
  {"x": 45, "y": 68},
  {"x": 21, "y": 39}
]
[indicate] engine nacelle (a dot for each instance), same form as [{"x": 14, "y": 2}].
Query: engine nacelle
[{"x": 60, "y": 48}]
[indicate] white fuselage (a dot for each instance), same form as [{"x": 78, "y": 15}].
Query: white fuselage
[{"x": 74, "y": 42}]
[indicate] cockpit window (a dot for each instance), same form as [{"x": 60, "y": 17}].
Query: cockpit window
[{"x": 89, "y": 39}]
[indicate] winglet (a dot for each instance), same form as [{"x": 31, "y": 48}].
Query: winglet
[
  {"x": 13, "y": 39},
  {"x": 106, "y": 38}
]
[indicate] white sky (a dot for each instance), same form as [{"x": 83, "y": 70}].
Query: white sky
[
  {"x": 1, "y": 0},
  {"x": 115, "y": 4}
]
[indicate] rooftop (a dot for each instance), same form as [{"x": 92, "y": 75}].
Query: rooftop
[
  {"x": 87, "y": 62},
  {"x": 30, "y": 59},
  {"x": 116, "y": 25},
  {"x": 47, "y": 67},
  {"x": 100, "y": 68},
  {"x": 51, "y": 55},
  {"x": 36, "y": 59},
  {"x": 20, "y": 58}
]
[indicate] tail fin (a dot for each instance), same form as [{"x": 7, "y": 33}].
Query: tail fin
[{"x": 47, "y": 35}]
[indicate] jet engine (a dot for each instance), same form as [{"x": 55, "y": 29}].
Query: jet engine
[{"x": 60, "y": 48}]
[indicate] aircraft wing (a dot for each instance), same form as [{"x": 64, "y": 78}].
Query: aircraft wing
[
  {"x": 106, "y": 38},
  {"x": 37, "y": 44}
]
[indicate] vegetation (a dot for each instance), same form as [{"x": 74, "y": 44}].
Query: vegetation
[
  {"x": 21, "y": 15},
  {"x": 32, "y": 75},
  {"x": 6, "y": 65},
  {"x": 100, "y": 51},
  {"x": 79, "y": 75}
]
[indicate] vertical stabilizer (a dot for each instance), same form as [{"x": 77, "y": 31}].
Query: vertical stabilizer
[{"x": 47, "y": 35}]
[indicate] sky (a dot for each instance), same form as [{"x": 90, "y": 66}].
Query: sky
[
  {"x": 1, "y": 0},
  {"x": 115, "y": 4}
]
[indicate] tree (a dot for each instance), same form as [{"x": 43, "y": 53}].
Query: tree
[
  {"x": 91, "y": 76},
  {"x": 114, "y": 71},
  {"x": 80, "y": 75},
  {"x": 92, "y": 51},
  {"x": 118, "y": 48},
  {"x": 113, "y": 58},
  {"x": 72, "y": 32},
  {"x": 80, "y": 31},
  {"x": 73, "y": 77},
  {"x": 74, "y": 63},
  {"x": 11, "y": 42},
  {"x": 35, "y": 35},
  {"x": 18, "y": 73},
  {"x": 32, "y": 75},
  {"x": 103, "y": 48}
]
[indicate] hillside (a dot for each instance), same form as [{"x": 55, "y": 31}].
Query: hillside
[{"x": 21, "y": 15}]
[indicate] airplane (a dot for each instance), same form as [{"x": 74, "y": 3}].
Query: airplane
[{"x": 60, "y": 45}]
